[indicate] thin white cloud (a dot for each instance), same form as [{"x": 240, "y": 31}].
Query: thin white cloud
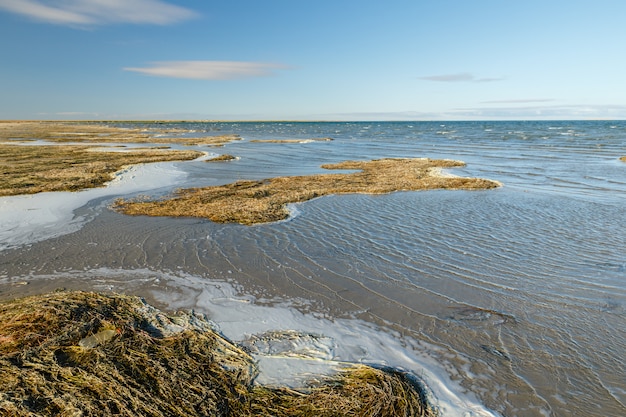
[
  {"x": 98, "y": 12},
  {"x": 460, "y": 77},
  {"x": 208, "y": 70}
]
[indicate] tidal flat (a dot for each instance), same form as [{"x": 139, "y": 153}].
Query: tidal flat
[{"x": 482, "y": 294}]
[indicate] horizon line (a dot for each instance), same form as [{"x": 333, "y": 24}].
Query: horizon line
[{"x": 153, "y": 120}]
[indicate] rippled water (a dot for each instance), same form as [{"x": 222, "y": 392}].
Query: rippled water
[{"x": 519, "y": 292}]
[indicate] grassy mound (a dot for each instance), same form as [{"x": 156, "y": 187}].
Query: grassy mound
[
  {"x": 78, "y": 353},
  {"x": 250, "y": 202}
]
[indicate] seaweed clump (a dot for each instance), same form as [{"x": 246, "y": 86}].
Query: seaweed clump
[{"x": 81, "y": 353}]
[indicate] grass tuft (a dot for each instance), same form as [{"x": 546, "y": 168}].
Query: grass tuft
[{"x": 80, "y": 353}]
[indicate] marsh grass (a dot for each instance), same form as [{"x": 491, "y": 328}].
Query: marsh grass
[
  {"x": 38, "y": 168},
  {"x": 222, "y": 158},
  {"x": 63, "y": 132},
  {"x": 78, "y": 353},
  {"x": 251, "y": 202},
  {"x": 79, "y": 161},
  {"x": 357, "y": 391}
]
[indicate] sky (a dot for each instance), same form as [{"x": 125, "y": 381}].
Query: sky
[{"x": 312, "y": 60}]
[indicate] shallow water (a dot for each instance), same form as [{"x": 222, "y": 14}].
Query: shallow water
[{"x": 513, "y": 298}]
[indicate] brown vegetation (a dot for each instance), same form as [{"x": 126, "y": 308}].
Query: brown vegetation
[
  {"x": 76, "y": 353},
  {"x": 224, "y": 157},
  {"x": 101, "y": 133},
  {"x": 74, "y": 165},
  {"x": 29, "y": 169},
  {"x": 250, "y": 202}
]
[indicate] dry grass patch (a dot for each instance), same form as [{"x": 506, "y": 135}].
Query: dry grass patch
[
  {"x": 357, "y": 391},
  {"x": 145, "y": 364},
  {"x": 76, "y": 166},
  {"x": 101, "y": 133},
  {"x": 224, "y": 157},
  {"x": 78, "y": 353},
  {"x": 39, "y": 168},
  {"x": 250, "y": 202}
]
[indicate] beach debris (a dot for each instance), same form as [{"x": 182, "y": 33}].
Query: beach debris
[{"x": 96, "y": 339}]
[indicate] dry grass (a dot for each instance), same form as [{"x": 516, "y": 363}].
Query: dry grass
[
  {"x": 77, "y": 353},
  {"x": 38, "y": 168},
  {"x": 72, "y": 167},
  {"x": 220, "y": 158},
  {"x": 250, "y": 202},
  {"x": 91, "y": 132},
  {"x": 138, "y": 372},
  {"x": 358, "y": 391}
]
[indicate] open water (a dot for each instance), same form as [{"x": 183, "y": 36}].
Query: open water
[{"x": 513, "y": 300}]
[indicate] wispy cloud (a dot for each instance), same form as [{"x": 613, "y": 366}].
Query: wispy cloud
[
  {"x": 98, "y": 12},
  {"x": 209, "y": 70},
  {"x": 460, "y": 77}
]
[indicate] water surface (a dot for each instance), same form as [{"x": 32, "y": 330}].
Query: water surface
[{"x": 517, "y": 294}]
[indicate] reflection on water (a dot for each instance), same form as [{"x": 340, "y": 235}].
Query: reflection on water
[{"x": 519, "y": 291}]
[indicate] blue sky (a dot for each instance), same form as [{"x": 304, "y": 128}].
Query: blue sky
[{"x": 321, "y": 60}]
